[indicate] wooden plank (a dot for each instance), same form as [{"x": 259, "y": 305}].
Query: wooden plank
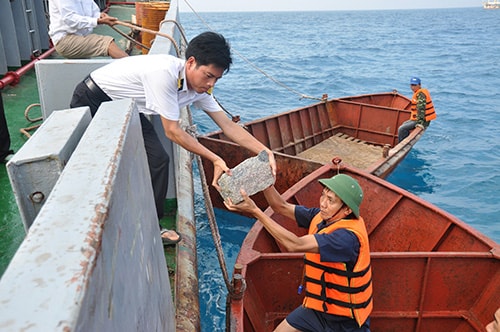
[{"x": 352, "y": 151}]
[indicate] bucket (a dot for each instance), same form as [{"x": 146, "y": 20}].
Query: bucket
[{"x": 149, "y": 15}]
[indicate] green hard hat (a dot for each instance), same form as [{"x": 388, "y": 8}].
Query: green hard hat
[{"x": 347, "y": 189}]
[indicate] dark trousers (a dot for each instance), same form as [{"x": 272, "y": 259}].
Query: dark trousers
[
  {"x": 158, "y": 158},
  {"x": 4, "y": 134}
]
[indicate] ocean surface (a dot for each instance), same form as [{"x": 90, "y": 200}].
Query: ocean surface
[{"x": 455, "y": 52}]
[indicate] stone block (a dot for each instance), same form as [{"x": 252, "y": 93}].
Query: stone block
[{"x": 253, "y": 174}]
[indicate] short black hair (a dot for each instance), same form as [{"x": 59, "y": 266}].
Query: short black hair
[{"x": 210, "y": 48}]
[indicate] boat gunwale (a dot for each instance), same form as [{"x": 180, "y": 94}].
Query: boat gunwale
[
  {"x": 293, "y": 190},
  {"x": 487, "y": 258},
  {"x": 341, "y": 99}
]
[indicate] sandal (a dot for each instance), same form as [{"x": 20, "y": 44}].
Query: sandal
[{"x": 168, "y": 242}]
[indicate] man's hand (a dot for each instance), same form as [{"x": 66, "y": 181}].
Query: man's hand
[
  {"x": 272, "y": 162},
  {"x": 246, "y": 206},
  {"x": 219, "y": 168},
  {"x": 106, "y": 19}
]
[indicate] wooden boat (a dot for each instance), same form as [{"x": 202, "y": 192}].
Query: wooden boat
[
  {"x": 431, "y": 271},
  {"x": 362, "y": 130}
]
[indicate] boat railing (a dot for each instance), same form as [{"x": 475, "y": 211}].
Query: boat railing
[{"x": 297, "y": 130}]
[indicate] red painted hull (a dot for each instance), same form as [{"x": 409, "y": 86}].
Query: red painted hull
[
  {"x": 431, "y": 271},
  {"x": 363, "y": 121}
]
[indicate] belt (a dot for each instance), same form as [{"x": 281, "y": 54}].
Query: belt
[{"x": 95, "y": 89}]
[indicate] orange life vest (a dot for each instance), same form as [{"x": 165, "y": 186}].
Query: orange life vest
[
  {"x": 330, "y": 286},
  {"x": 430, "y": 112}
]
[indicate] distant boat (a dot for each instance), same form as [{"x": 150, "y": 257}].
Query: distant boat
[
  {"x": 491, "y": 4},
  {"x": 431, "y": 271},
  {"x": 362, "y": 130}
]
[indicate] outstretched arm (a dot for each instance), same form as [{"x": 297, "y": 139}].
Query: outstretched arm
[
  {"x": 239, "y": 135},
  {"x": 289, "y": 240},
  {"x": 177, "y": 135},
  {"x": 278, "y": 204}
]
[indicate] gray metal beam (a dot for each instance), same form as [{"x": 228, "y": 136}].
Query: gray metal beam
[
  {"x": 34, "y": 169},
  {"x": 93, "y": 259}
]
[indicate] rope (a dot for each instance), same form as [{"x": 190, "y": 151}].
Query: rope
[
  {"x": 212, "y": 221},
  {"x": 25, "y": 131},
  {"x": 283, "y": 85},
  {"x": 234, "y": 118},
  {"x": 213, "y": 226},
  {"x": 179, "y": 26},
  {"x": 214, "y": 229},
  {"x": 158, "y": 33},
  {"x": 131, "y": 39}
]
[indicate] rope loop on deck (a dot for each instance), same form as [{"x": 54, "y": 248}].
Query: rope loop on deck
[{"x": 26, "y": 130}]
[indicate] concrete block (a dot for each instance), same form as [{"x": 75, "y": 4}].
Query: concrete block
[{"x": 253, "y": 174}]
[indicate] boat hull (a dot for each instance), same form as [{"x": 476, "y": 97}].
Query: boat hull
[
  {"x": 431, "y": 271},
  {"x": 362, "y": 130}
]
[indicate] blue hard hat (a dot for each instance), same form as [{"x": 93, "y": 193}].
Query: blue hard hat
[{"x": 415, "y": 80}]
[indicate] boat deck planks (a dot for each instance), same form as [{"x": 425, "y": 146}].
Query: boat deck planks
[{"x": 351, "y": 150}]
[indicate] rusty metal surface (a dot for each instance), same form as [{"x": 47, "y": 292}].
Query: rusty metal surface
[
  {"x": 431, "y": 271},
  {"x": 369, "y": 119},
  {"x": 187, "y": 307}
]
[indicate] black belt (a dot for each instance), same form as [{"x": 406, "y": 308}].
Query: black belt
[{"x": 95, "y": 89}]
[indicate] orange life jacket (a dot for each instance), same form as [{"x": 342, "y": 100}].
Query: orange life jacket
[
  {"x": 330, "y": 286},
  {"x": 430, "y": 112}
]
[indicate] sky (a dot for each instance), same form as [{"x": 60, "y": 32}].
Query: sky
[{"x": 327, "y": 5}]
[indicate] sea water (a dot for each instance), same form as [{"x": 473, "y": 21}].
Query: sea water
[{"x": 455, "y": 52}]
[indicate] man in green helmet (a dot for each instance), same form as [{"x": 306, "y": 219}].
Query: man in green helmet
[{"x": 337, "y": 273}]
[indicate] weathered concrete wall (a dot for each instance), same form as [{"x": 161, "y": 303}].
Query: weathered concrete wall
[{"x": 93, "y": 258}]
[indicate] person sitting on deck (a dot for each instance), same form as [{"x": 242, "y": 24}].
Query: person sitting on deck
[
  {"x": 422, "y": 109},
  {"x": 337, "y": 253},
  {"x": 71, "y": 26},
  {"x": 162, "y": 84}
]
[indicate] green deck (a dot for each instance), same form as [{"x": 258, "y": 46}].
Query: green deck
[{"x": 15, "y": 99}]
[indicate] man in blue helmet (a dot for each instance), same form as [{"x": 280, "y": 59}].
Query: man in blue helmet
[
  {"x": 422, "y": 109},
  {"x": 337, "y": 254}
]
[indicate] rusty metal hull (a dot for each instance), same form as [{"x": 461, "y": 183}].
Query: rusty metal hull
[
  {"x": 431, "y": 271},
  {"x": 357, "y": 123}
]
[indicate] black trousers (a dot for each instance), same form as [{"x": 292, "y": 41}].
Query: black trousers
[
  {"x": 87, "y": 93},
  {"x": 4, "y": 134}
]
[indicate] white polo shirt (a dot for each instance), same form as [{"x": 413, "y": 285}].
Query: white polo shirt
[
  {"x": 77, "y": 17},
  {"x": 153, "y": 82}
]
